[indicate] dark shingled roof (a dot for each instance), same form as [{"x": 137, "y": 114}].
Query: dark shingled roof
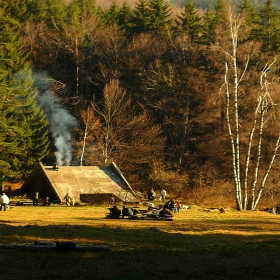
[{"x": 77, "y": 180}]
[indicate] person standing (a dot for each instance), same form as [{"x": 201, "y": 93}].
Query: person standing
[
  {"x": 4, "y": 201},
  {"x": 163, "y": 195},
  {"x": 35, "y": 197},
  {"x": 55, "y": 166},
  {"x": 72, "y": 202},
  {"x": 67, "y": 199},
  {"x": 151, "y": 194},
  {"x": 178, "y": 206}
]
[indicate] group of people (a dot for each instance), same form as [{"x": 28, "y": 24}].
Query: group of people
[
  {"x": 171, "y": 205},
  {"x": 70, "y": 201},
  {"x": 35, "y": 199},
  {"x": 131, "y": 213},
  {"x": 152, "y": 194}
]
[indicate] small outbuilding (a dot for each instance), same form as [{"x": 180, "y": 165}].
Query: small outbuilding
[{"x": 83, "y": 183}]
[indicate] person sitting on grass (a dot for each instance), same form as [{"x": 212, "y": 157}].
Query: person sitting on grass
[
  {"x": 46, "y": 202},
  {"x": 126, "y": 211},
  {"x": 115, "y": 211},
  {"x": 170, "y": 205},
  {"x": 165, "y": 213}
]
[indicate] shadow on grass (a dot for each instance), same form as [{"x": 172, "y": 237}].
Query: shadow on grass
[{"x": 148, "y": 253}]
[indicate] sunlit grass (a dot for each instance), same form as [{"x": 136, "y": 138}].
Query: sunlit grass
[{"x": 198, "y": 244}]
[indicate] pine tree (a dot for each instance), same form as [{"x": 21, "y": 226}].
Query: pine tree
[
  {"x": 16, "y": 9},
  {"x": 9, "y": 144},
  {"x": 124, "y": 17},
  {"x": 141, "y": 18},
  {"x": 32, "y": 119},
  {"x": 23, "y": 117},
  {"x": 161, "y": 16},
  {"x": 213, "y": 20},
  {"x": 190, "y": 21},
  {"x": 47, "y": 11},
  {"x": 111, "y": 15},
  {"x": 220, "y": 10},
  {"x": 9, "y": 132},
  {"x": 252, "y": 17},
  {"x": 208, "y": 26},
  {"x": 269, "y": 32}
]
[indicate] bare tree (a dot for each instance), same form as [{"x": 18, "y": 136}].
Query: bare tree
[
  {"x": 129, "y": 137},
  {"x": 248, "y": 125},
  {"x": 89, "y": 134},
  {"x": 113, "y": 104},
  {"x": 67, "y": 45}
]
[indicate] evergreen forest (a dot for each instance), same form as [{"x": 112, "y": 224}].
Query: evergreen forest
[
  {"x": 186, "y": 100},
  {"x": 210, "y": 4}
]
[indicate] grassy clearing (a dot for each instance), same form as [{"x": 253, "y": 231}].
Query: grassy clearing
[{"x": 199, "y": 244}]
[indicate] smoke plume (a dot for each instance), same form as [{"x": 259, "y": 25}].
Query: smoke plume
[{"x": 61, "y": 122}]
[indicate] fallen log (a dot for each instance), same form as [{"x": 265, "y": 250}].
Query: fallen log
[{"x": 58, "y": 246}]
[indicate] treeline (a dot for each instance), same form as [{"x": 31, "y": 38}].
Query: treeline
[
  {"x": 139, "y": 86},
  {"x": 210, "y": 4}
]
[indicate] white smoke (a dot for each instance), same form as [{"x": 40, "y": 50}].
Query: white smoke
[{"x": 61, "y": 122}]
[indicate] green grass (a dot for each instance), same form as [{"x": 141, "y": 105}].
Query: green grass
[{"x": 198, "y": 244}]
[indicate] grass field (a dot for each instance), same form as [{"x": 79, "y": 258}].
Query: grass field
[{"x": 199, "y": 243}]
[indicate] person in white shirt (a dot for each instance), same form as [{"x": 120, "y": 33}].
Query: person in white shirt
[
  {"x": 4, "y": 201},
  {"x": 163, "y": 195}
]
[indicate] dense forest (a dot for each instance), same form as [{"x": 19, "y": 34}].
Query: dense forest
[
  {"x": 185, "y": 101},
  {"x": 210, "y": 4}
]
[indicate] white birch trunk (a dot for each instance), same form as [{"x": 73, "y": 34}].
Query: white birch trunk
[
  {"x": 245, "y": 193},
  {"x": 231, "y": 136},
  {"x": 259, "y": 148},
  {"x": 84, "y": 145},
  {"x": 77, "y": 65},
  {"x": 263, "y": 104},
  {"x": 262, "y": 186}
]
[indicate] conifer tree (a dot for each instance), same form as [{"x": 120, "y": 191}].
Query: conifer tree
[
  {"x": 220, "y": 12},
  {"x": 110, "y": 16},
  {"x": 124, "y": 17},
  {"x": 26, "y": 120},
  {"x": 141, "y": 18},
  {"x": 269, "y": 32},
  {"x": 150, "y": 16},
  {"x": 16, "y": 9},
  {"x": 213, "y": 19},
  {"x": 190, "y": 21},
  {"x": 208, "y": 26},
  {"x": 9, "y": 141},
  {"x": 32, "y": 119},
  {"x": 47, "y": 11},
  {"x": 252, "y": 17},
  {"x": 161, "y": 16}
]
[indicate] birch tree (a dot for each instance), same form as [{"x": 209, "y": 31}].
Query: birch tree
[
  {"x": 251, "y": 111},
  {"x": 88, "y": 135}
]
